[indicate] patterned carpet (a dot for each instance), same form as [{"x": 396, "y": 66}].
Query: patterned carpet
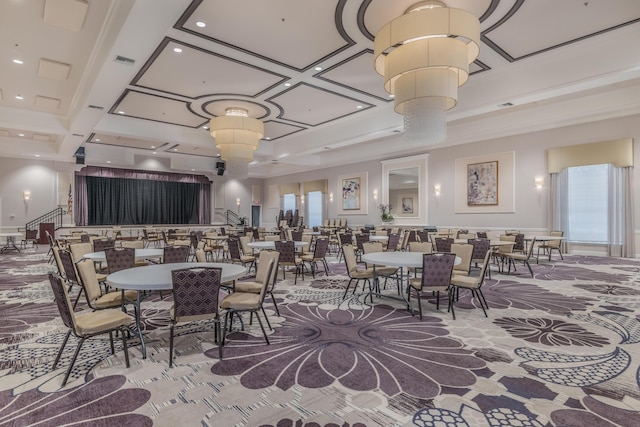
[{"x": 561, "y": 349}]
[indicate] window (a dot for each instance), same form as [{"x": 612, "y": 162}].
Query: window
[
  {"x": 289, "y": 203},
  {"x": 588, "y": 203},
  {"x": 314, "y": 204}
]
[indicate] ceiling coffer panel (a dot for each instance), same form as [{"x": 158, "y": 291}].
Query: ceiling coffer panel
[
  {"x": 157, "y": 108},
  {"x": 316, "y": 25}
]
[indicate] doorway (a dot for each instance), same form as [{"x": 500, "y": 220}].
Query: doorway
[{"x": 255, "y": 215}]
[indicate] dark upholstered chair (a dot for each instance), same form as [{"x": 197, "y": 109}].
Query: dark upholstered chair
[
  {"x": 319, "y": 255},
  {"x": 288, "y": 258},
  {"x": 436, "y": 277},
  {"x": 120, "y": 259},
  {"x": 174, "y": 254}
]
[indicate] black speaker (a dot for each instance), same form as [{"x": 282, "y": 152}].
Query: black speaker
[
  {"x": 220, "y": 167},
  {"x": 79, "y": 160}
]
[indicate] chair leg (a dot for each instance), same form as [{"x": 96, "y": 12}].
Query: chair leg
[
  {"x": 113, "y": 349},
  {"x": 265, "y": 316},
  {"x": 224, "y": 331},
  {"x": 75, "y": 356},
  {"x": 263, "y": 331},
  {"x": 419, "y": 303},
  {"x": 64, "y": 343},
  {"x": 171, "y": 344},
  {"x": 274, "y": 303},
  {"x": 124, "y": 345},
  {"x": 452, "y": 292},
  {"x": 529, "y": 266},
  {"x": 486, "y": 304},
  {"x": 475, "y": 294},
  {"x": 347, "y": 289},
  {"x": 218, "y": 334}
]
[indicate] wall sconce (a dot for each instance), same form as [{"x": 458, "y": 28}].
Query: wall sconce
[
  {"x": 331, "y": 197},
  {"x": 539, "y": 182},
  {"x": 375, "y": 194},
  {"x": 26, "y": 196},
  {"x": 302, "y": 199},
  {"x": 436, "y": 188}
]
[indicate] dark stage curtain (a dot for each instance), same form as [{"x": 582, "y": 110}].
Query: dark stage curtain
[{"x": 138, "y": 201}]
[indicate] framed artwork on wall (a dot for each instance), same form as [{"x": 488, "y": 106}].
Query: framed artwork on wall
[
  {"x": 407, "y": 205},
  {"x": 482, "y": 184},
  {"x": 353, "y": 194}
]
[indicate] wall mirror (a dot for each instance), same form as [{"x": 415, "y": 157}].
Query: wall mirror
[{"x": 404, "y": 185}]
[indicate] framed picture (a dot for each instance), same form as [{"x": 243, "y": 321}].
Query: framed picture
[
  {"x": 482, "y": 184},
  {"x": 353, "y": 194},
  {"x": 407, "y": 205}
]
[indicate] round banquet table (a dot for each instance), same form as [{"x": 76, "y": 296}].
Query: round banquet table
[
  {"x": 140, "y": 254},
  {"x": 10, "y": 244},
  {"x": 157, "y": 277},
  {"x": 269, "y": 244}
]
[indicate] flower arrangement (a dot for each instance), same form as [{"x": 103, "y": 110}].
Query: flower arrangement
[{"x": 385, "y": 213}]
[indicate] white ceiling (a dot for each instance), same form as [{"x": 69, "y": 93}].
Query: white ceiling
[{"x": 558, "y": 62}]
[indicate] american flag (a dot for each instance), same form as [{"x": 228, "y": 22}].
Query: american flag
[{"x": 70, "y": 201}]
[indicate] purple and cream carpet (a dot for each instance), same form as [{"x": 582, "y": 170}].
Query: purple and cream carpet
[{"x": 559, "y": 349}]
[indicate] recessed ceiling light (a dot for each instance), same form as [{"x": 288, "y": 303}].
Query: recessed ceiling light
[
  {"x": 177, "y": 50},
  {"x": 21, "y": 134},
  {"x": 109, "y": 161},
  {"x": 358, "y": 106},
  {"x": 201, "y": 25},
  {"x": 152, "y": 147},
  {"x": 18, "y": 61},
  {"x": 268, "y": 138},
  {"x": 37, "y": 155},
  {"x": 391, "y": 96},
  {"x": 97, "y": 139},
  {"x": 120, "y": 112},
  {"x": 19, "y": 97},
  {"x": 318, "y": 68},
  {"x": 287, "y": 84},
  {"x": 175, "y": 149},
  {"x": 153, "y": 152},
  {"x": 205, "y": 127}
]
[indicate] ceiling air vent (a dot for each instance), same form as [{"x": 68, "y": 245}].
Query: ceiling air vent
[
  {"x": 77, "y": 134},
  {"x": 124, "y": 60},
  {"x": 96, "y": 107},
  {"x": 506, "y": 105}
]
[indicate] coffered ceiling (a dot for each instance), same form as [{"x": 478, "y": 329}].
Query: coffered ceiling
[{"x": 133, "y": 80}]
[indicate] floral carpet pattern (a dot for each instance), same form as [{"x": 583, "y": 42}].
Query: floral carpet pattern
[{"x": 559, "y": 349}]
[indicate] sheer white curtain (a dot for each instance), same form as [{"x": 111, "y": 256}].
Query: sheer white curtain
[
  {"x": 621, "y": 232},
  {"x": 621, "y": 224}
]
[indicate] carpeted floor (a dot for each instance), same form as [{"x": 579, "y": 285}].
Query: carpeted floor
[{"x": 560, "y": 349}]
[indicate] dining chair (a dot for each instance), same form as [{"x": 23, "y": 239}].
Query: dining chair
[
  {"x": 318, "y": 255},
  {"x": 288, "y": 258},
  {"x": 381, "y": 271},
  {"x": 472, "y": 283},
  {"x": 437, "y": 269},
  {"x": 70, "y": 273},
  {"x": 480, "y": 249},
  {"x": 97, "y": 300},
  {"x": 551, "y": 245},
  {"x": 264, "y": 259},
  {"x": 236, "y": 256},
  {"x": 120, "y": 259},
  {"x": 392, "y": 242},
  {"x": 354, "y": 273},
  {"x": 240, "y": 302},
  {"x": 30, "y": 236},
  {"x": 175, "y": 254},
  {"x": 85, "y": 325},
  {"x": 443, "y": 244},
  {"x": 499, "y": 255},
  {"x": 465, "y": 252},
  {"x": 102, "y": 244},
  {"x": 522, "y": 257},
  {"x": 196, "y": 293}
]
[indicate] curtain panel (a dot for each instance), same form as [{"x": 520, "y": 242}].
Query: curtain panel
[{"x": 107, "y": 196}]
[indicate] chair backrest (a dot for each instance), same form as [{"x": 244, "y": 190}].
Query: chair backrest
[
  {"x": 392, "y": 242},
  {"x": 349, "y": 258},
  {"x": 423, "y": 235},
  {"x": 480, "y": 248},
  {"x": 101, "y": 244},
  {"x": 68, "y": 265},
  {"x": 464, "y": 251},
  {"x": 79, "y": 250},
  {"x": 296, "y": 235},
  {"x": 483, "y": 270},
  {"x": 120, "y": 258},
  {"x": 62, "y": 301},
  {"x": 507, "y": 249},
  {"x": 360, "y": 239},
  {"x": 49, "y": 238},
  {"x": 372, "y": 247},
  {"x": 555, "y": 243},
  {"x": 424, "y": 247},
  {"x": 320, "y": 250},
  {"x": 135, "y": 244},
  {"x": 193, "y": 239},
  {"x": 405, "y": 240},
  {"x": 519, "y": 245},
  {"x": 443, "y": 244},
  {"x": 345, "y": 238},
  {"x": 244, "y": 242},
  {"x": 481, "y": 235},
  {"x": 264, "y": 259},
  {"x": 287, "y": 251},
  {"x": 196, "y": 291},
  {"x": 87, "y": 273},
  {"x": 31, "y": 234},
  {"x": 512, "y": 232},
  {"x": 84, "y": 238},
  {"x": 467, "y": 236},
  {"x": 201, "y": 256},
  {"x": 56, "y": 256},
  {"x": 271, "y": 237},
  {"x": 233, "y": 244},
  {"x": 173, "y": 254},
  {"x": 530, "y": 249},
  {"x": 436, "y": 269}
]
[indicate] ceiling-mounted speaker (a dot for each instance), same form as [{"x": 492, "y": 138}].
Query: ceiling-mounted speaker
[{"x": 220, "y": 168}]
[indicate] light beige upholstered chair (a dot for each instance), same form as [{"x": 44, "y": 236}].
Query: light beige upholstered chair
[
  {"x": 472, "y": 283},
  {"x": 552, "y": 245},
  {"x": 255, "y": 287},
  {"x": 464, "y": 251},
  {"x": 353, "y": 272},
  {"x": 522, "y": 257}
]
